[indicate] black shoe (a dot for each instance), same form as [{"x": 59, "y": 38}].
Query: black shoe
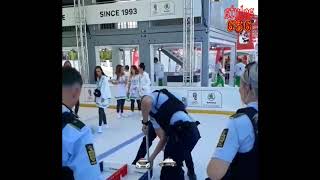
[{"x": 192, "y": 176}]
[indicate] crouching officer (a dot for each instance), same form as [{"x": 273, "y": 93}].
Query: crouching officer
[
  {"x": 177, "y": 131},
  {"x": 78, "y": 156},
  {"x": 236, "y": 155},
  {"x": 151, "y": 137}
]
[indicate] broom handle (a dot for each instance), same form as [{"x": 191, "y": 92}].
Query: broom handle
[{"x": 147, "y": 147}]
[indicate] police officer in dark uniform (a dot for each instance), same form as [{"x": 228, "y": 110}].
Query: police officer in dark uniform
[
  {"x": 151, "y": 136},
  {"x": 236, "y": 155},
  {"x": 177, "y": 131},
  {"x": 78, "y": 156}
]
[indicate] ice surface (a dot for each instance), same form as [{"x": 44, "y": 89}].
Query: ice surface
[{"x": 121, "y": 130}]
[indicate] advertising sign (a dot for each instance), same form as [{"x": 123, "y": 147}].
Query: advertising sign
[
  {"x": 132, "y": 11},
  {"x": 194, "y": 98},
  {"x": 212, "y": 99},
  {"x": 88, "y": 94}
]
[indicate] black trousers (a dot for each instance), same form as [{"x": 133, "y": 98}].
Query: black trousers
[
  {"x": 102, "y": 116},
  {"x": 120, "y": 105},
  {"x": 76, "y": 109},
  {"x": 194, "y": 136},
  {"x": 142, "y": 149},
  {"x": 179, "y": 147},
  {"x": 132, "y": 104}
]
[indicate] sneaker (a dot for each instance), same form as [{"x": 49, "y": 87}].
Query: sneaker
[
  {"x": 118, "y": 115},
  {"x": 192, "y": 176},
  {"x": 100, "y": 129},
  {"x": 105, "y": 126}
]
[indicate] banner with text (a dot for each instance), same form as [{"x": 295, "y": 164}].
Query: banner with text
[{"x": 131, "y": 11}]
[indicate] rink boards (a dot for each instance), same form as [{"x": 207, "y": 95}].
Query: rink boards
[{"x": 222, "y": 99}]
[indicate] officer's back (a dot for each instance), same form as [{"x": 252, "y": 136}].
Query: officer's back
[{"x": 78, "y": 156}]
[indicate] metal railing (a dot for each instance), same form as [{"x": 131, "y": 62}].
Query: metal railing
[
  {"x": 188, "y": 42},
  {"x": 81, "y": 38}
]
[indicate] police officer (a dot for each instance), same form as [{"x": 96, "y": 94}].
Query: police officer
[
  {"x": 151, "y": 136},
  {"x": 236, "y": 154},
  {"x": 177, "y": 131},
  {"x": 67, "y": 63},
  {"x": 142, "y": 152},
  {"x": 78, "y": 156}
]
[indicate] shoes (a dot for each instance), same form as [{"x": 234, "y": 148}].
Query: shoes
[
  {"x": 118, "y": 115},
  {"x": 100, "y": 129}
]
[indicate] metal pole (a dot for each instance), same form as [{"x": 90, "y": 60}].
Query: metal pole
[
  {"x": 185, "y": 43},
  {"x": 188, "y": 42},
  {"x": 81, "y": 36},
  {"x": 76, "y": 26},
  {"x": 147, "y": 148},
  {"x": 86, "y": 45},
  {"x": 192, "y": 43}
]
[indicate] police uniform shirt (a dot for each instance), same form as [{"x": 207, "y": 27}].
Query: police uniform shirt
[
  {"x": 238, "y": 136},
  {"x": 78, "y": 152},
  {"x": 180, "y": 115}
]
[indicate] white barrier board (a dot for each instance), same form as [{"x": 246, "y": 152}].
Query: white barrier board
[{"x": 197, "y": 98}]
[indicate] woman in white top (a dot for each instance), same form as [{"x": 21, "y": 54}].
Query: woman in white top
[
  {"x": 144, "y": 81},
  {"x": 133, "y": 87},
  {"x": 103, "y": 100},
  {"x": 121, "y": 90}
]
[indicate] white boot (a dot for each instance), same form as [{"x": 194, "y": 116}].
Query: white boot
[
  {"x": 100, "y": 129},
  {"x": 118, "y": 115}
]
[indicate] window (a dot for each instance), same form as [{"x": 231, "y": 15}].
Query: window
[
  {"x": 170, "y": 22},
  {"x": 127, "y": 25},
  {"x": 107, "y": 26},
  {"x": 68, "y": 29}
]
